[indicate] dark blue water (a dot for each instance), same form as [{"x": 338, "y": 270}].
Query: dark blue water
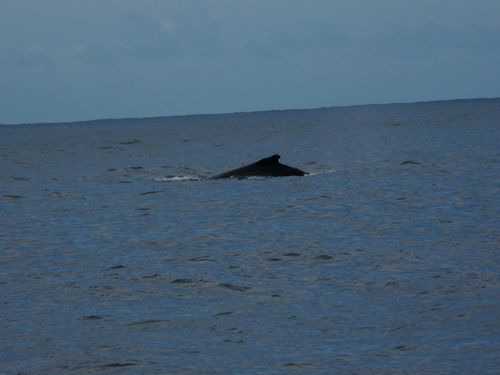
[{"x": 118, "y": 258}]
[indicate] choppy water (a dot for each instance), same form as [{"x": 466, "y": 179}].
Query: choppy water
[{"x": 117, "y": 258}]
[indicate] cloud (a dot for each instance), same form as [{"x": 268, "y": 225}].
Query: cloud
[
  {"x": 135, "y": 38},
  {"x": 168, "y": 26},
  {"x": 27, "y": 57},
  {"x": 428, "y": 40},
  {"x": 146, "y": 39},
  {"x": 314, "y": 36},
  {"x": 72, "y": 52}
]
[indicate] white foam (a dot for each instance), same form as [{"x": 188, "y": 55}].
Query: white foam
[
  {"x": 255, "y": 178},
  {"x": 176, "y": 178},
  {"x": 320, "y": 172}
]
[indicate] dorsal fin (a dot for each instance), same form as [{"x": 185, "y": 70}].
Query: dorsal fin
[{"x": 270, "y": 160}]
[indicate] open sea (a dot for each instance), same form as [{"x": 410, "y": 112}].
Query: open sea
[{"x": 117, "y": 256}]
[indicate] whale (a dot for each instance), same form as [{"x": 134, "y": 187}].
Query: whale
[{"x": 267, "y": 167}]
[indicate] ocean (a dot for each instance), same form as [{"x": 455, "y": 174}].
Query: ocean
[{"x": 118, "y": 256}]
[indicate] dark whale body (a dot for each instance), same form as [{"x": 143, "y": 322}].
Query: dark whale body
[{"x": 268, "y": 167}]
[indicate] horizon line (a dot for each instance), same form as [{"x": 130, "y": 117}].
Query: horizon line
[{"x": 242, "y": 112}]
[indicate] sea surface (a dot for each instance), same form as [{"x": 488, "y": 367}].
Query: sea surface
[{"x": 117, "y": 256}]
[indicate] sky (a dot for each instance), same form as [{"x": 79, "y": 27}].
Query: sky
[{"x": 69, "y": 60}]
